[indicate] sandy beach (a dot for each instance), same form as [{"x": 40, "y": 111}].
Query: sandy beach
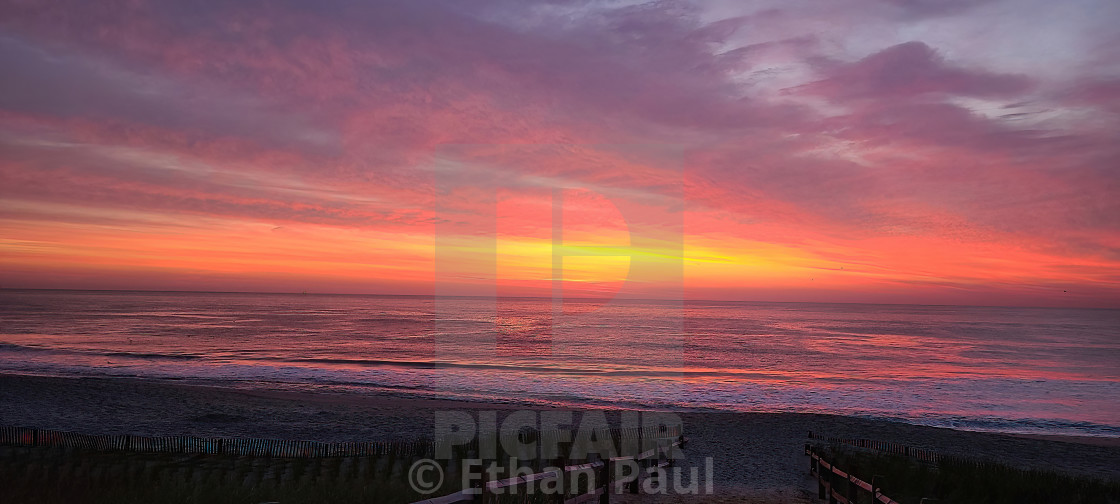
[{"x": 753, "y": 453}]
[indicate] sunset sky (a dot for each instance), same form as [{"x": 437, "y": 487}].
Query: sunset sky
[{"x": 903, "y": 151}]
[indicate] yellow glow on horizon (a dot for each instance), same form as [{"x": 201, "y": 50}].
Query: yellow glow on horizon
[{"x": 70, "y": 242}]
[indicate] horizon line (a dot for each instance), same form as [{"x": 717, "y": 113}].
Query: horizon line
[{"x": 683, "y": 300}]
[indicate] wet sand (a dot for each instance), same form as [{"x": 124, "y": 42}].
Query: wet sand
[{"x": 753, "y": 453}]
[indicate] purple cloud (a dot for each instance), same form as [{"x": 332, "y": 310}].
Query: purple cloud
[{"x": 911, "y": 70}]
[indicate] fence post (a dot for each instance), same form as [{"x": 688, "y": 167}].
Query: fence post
[
  {"x": 479, "y": 486},
  {"x": 875, "y": 488},
  {"x": 605, "y": 482},
  {"x": 831, "y": 486},
  {"x": 822, "y": 487}
]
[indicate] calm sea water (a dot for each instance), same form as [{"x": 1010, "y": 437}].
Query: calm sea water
[{"x": 1002, "y": 369}]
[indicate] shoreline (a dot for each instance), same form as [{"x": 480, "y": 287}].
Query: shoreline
[
  {"x": 407, "y": 401},
  {"x": 413, "y": 399},
  {"x": 751, "y": 451},
  {"x": 1112, "y": 442}
]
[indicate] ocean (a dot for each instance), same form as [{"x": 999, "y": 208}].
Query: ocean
[{"x": 1023, "y": 370}]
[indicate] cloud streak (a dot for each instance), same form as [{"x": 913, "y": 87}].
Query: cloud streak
[{"x": 857, "y": 147}]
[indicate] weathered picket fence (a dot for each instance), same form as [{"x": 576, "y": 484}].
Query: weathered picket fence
[
  {"x": 919, "y": 454},
  {"x": 271, "y": 447},
  {"x": 230, "y": 446},
  {"x": 649, "y": 463},
  {"x": 883, "y": 446}
]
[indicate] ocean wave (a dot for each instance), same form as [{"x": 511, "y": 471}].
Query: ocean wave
[
  {"x": 12, "y": 347},
  {"x": 1049, "y": 426}
]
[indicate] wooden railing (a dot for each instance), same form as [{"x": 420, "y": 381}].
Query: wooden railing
[
  {"x": 648, "y": 461},
  {"x": 838, "y": 486}
]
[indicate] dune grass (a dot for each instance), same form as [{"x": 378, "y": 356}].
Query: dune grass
[
  {"x": 66, "y": 475},
  {"x": 42, "y": 474},
  {"x": 961, "y": 480}
]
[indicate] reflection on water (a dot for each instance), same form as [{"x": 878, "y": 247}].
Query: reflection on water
[{"x": 1010, "y": 369}]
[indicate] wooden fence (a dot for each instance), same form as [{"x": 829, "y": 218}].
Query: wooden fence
[
  {"x": 919, "y": 454},
  {"x": 278, "y": 447},
  {"x": 885, "y": 447},
  {"x": 649, "y": 462},
  {"x": 230, "y": 446},
  {"x": 838, "y": 486},
  {"x": 624, "y": 435}
]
